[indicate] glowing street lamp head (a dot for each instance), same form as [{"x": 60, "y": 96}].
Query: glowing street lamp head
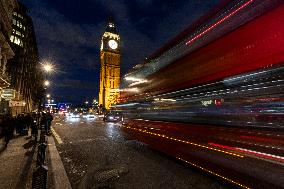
[
  {"x": 48, "y": 95},
  {"x": 47, "y": 65},
  {"x": 46, "y": 83},
  {"x": 47, "y": 68}
]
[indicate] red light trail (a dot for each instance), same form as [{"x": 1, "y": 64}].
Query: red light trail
[
  {"x": 250, "y": 152},
  {"x": 219, "y": 22}
]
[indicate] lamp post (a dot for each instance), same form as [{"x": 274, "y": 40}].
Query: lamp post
[
  {"x": 46, "y": 84},
  {"x": 48, "y": 68}
]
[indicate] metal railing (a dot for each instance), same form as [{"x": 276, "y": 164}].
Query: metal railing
[{"x": 40, "y": 175}]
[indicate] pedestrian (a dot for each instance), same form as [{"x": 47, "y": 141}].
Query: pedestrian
[
  {"x": 8, "y": 128},
  {"x": 25, "y": 124},
  {"x": 37, "y": 119},
  {"x": 28, "y": 120},
  {"x": 34, "y": 127},
  {"x": 49, "y": 119},
  {"x": 43, "y": 122},
  {"x": 18, "y": 124}
]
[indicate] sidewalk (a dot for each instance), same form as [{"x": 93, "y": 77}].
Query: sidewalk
[{"x": 17, "y": 163}]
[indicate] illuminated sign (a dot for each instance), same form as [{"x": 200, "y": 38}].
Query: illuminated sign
[
  {"x": 8, "y": 94},
  {"x": 13, "y": 103}
]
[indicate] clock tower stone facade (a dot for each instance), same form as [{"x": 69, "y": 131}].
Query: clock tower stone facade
[{"x": 110, "y": 66}]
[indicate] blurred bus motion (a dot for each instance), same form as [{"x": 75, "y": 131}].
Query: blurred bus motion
[{"x": 213, "y": 96}]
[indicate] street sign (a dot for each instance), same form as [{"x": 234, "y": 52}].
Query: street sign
[{"x": 8, "y": 94}]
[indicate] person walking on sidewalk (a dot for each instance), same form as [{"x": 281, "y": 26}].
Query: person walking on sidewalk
[
  {"x": 28, "y": 120},
  {"x": 20, "y": 123},
  {"x": 43, "y": 122},
  {"x": 49, "y": 119},
  {"x": 34, "y": 127},
  {"x": 8, "y": 125}
]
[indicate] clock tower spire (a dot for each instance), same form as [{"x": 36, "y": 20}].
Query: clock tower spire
[{"x": 110, "y": 66}]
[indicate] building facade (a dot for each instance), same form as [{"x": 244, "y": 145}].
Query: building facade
[
  {"x": 6, "y": 52},
  {"x": 26, "y": 77},
  {"x": 110, "y": 66}
]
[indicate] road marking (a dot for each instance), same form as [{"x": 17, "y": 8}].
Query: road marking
[{"x": 57, "y": 137}]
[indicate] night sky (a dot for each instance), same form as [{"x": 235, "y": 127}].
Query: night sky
[{"x": 69, "y": 32}]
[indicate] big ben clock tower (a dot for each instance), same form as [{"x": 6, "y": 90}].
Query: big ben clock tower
[{"x": 110, "y": 66}]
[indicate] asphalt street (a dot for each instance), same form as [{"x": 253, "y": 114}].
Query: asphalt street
[{"x": 96, "y": 154}]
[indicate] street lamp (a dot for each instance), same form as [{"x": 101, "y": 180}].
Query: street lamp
[
  {"x": 46, "y": 83},
  {"x": 47, "y": 68}
]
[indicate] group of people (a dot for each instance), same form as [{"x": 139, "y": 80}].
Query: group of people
[{"x": 22, "y": 123}]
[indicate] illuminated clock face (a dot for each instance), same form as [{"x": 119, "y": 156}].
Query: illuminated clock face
[{"x": 112, "y": 44}]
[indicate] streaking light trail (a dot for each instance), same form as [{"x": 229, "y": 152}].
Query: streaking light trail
[{"x": 219, "y": 22}]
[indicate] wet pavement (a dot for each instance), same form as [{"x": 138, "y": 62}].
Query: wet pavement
[{"x": 96, "y": 154}]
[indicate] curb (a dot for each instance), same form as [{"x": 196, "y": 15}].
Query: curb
[{"x": 59, "y": 175}]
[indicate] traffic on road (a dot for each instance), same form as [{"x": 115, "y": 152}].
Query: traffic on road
[{"x": 99, "y": 154}]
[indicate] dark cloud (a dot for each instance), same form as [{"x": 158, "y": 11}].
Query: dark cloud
[
  {"x": 78, "y": 84},
  {"x": 70, "y": 32}
]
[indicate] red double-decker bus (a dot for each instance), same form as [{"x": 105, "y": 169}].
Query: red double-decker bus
[{"x": 213, "y": 97}]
